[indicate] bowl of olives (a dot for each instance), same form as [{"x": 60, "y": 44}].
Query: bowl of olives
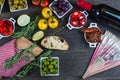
[
  {"x": 17, "y": 5},
  {"x": 49, "y": 66},
  {"x": 60, "y": 7}
]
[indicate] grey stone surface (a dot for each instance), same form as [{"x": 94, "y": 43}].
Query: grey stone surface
[{"x": 74, "y": 62}]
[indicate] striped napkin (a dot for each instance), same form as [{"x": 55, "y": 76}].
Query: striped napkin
[{"x": 7, "y": 51}]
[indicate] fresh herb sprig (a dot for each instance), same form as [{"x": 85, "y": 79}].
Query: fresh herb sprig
[
  {"x": 10, "y": 62},
  {"x": 57, "y": 30},
  {"x": 26, "y": 31},
  {"x": 35, "y": 63}
]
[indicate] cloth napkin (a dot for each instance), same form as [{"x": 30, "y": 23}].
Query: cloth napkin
[{"x": 7, "y": 51}]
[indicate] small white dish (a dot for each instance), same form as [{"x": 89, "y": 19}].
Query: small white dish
[
  {"x": 92, "y": 45},
  {"x": 50, "y": 5},
  {"x": 13, "y": 22},
  {"x": 18, "y": 10},
  {"x": 72, "y": 27},
  {"x": 42, "y": 66}
]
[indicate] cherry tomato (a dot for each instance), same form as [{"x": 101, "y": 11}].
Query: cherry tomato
[
  {"x": 8, "y": 31},
  {"x": 35, "y": 2},
  {"x": 7, "y": 23},
  {"x": 2, "y": 29},
  {"x": 76, "y": 14},
  {"x": 44, "y": 3},
  {"x": 82, "y": 20},
  {"x": 1, "y": 26},
  {"x": 1, "y": 22},
  {"x": 74, "y": 22}
]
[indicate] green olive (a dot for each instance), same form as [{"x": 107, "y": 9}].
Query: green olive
[
  {"x": 23, "y": 0},
  {"x": 55, "y": 71},
  {"x": 54, "y": 62},
  {"x": 43, "y": 72},
  {"x": 20, "y": 2},
  {"x": 16, "y": 2},
  {"x": 45, "y": 69},
  {"x": 51, "y": 71},
  {"x": 46, "y": 63},
  {"x": 56, "y": 66},
  {"x": 44, "y": 60},
  {"x": 50, "y": 66},
  {"x": 20, "y": 7},
  {"x": 49, "y": 59},
  {"x": 13, "y": 7},
  {"x": 24, "y": 5}
]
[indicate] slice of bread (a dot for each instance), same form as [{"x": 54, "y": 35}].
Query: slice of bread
[
  {"x": 55, "y": 42},
  {"x": 23, "y": 43}
]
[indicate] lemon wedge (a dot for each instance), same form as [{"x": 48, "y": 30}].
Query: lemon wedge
[
  {"x": 38, "y": 35},
  {"x": 23, "y": 20}
]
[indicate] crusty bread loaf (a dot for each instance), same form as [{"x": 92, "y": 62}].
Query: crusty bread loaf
[
  {"x": 23, "y": 43},
  {"x": 55, "y": 42}
]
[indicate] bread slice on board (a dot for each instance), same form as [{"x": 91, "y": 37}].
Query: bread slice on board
[
  {"x": 23, "y": 43},
  {"x": 55, "y": 42}
]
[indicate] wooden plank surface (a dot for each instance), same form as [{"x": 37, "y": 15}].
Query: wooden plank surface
[{"x": 73, "y": 63}]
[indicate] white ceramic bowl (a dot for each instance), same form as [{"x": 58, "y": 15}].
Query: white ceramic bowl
[
  {"x": 41, "y": 66},
  {"x": 64, "y": 13},
  {"x": 92, "y": 45},
  {"x": 19, "y": 10},
  {"x": 72, "y": 27},
  {"x": 13, "y": 21}
]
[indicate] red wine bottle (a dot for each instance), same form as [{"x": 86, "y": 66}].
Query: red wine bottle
[{"x": 102, "y": 13}]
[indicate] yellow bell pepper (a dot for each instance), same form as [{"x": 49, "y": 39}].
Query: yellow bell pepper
[
  {"x": 53, "y": 22},
  {"x": 47, "y": 12},
  {"x": 42, "y": 24}
]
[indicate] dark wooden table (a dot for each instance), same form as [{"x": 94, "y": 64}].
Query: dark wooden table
[{"x": 73, "y": 63}]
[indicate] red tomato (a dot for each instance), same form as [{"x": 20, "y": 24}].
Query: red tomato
[
  {"x": 1, "y": 22},
  {"x": 1, "y": 26},
  {"x": 76, "y": 14},
  {"x": 44, "y": 3},
  {"x": 82, "y": 20},
  {"x": 9, "y": 31},
  {"x": 35, "y": 2},
  {"x": 2, "y": 29},
  {"x": 7, "y": 23},
  {"x": 74, "y": 22}
]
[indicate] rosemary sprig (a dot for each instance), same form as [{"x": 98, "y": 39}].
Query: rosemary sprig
[
  {"x": 58, "y": 30},
  {"x": 35, "y": 63},
  {"x": 27, "y": 30},
  {"x": 10, "y": 62}
]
